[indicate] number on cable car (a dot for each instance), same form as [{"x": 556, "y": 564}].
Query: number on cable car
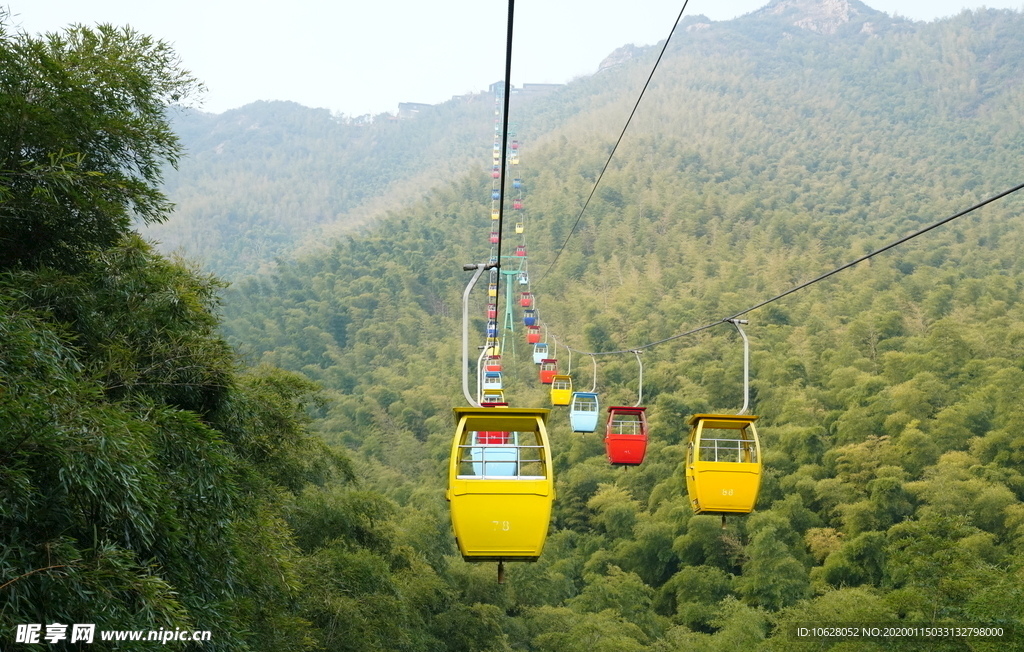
[
  {"x": 500, "y": 483},
  {"x": 561, "y": 389},
  {"x": 548, "y": 370},
  {"x": 723, "y": 463},
  {"x": 625, "y": 437},
  {"x": 583, "y": 412}
]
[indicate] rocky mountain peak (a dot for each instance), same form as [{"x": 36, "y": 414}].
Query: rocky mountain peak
[{"x": 821, "y": 16}]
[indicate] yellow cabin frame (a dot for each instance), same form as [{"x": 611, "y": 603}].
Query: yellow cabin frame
[
  {"x": 723, "y": 464},
  {"x": 500, "y": 492},
  {"x": 561, "y": 389}
]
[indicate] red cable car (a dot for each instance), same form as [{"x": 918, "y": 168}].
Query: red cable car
[
  {"x": 517, "y": 204},
  {"x": 492, "y": 311},
  {"x": 526, "y": 300},
  {"x": 625, "y": 438},
  {"x": 494, "y": 237},
  {"x": 548, "y": 370},
  {"x": 533, "y": 334},
  {"x": 521, "y": 250},
  {"x": 493, "y": 363}
]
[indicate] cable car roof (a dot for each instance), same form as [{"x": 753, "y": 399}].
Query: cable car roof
[
  {"x": 724, "y": 421},
  {"x": 506, "y": 418}
]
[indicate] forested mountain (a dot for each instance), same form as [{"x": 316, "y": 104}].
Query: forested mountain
[
  {"x": 148, "y": 480},
  {"x": 768, "y": 150}
]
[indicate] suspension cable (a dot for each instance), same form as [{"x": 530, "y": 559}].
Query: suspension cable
[
  {"x": 504, "y": 136},
  {"x": 727, "y": 320},
  {"x": 621, "y": 135}
]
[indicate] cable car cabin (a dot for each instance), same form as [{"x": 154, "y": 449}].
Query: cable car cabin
[
  {"x": 492, "y": 328},
  {"x": 500, "y": 483},
  {"x": 540, "y": 352},
  {"x": 723, "y": 464},
  {"x": 492, "y": 380},
  {"x": 495, "y": 213},
  {"x": 530, "y": 317},
  {"x": 495, "y": 194},
  {"x": 548, "y": 370},
  {"x": 492, "y": 290},
  {"x": 495, "y": 173},
  {"x": 520, "y": 227},
  {"x": 515, "y": 144},
  {"x": 517, "y": 204},
  {"x": 515, "y": 159},
  {"x": 526, "y": 299},
  {"x": 517, "y": 183},
  {"x": 494, "y": 237},
  {"x": 493, "y": 363},
  {"x": 521, "y": 250},
  {"x": 524, "y": 278},
  {"x": 533, "y": 335},
  {"x": 583, "y": 412},
  {"x": 561, "y": 389},
  {"x": 625, "y": 438},
  {"x": 492, "y": 311},
  {"x": 493, "y": 397}
]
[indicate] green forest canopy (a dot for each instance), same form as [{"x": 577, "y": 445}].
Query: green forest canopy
[{"x": 187, "y": 492}]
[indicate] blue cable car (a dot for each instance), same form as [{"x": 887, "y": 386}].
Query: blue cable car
[
  {"x": 530, "y": 317},
  {"x": 495, "y": 194},
  {"x": 540, "y": 352},
  {"x": 583, "y": 412},
  {"x": 517, "y": 183},
  {"x": 492, "y": 380}
]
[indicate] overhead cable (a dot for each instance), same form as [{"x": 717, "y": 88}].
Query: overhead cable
[
  {"x": 504, "y": 136},
  {"x": 626, "y": 126},
  {"x": 822, "y": 277}
]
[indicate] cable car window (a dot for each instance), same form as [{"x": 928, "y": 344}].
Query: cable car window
[{"x": 501, "y": 455}]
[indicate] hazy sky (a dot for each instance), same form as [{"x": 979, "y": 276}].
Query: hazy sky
[{"x": 366, "y": 57}]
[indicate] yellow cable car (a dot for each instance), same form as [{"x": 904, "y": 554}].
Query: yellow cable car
[
  {"x": 723, "y": 464},
  {"x": 561, "y": 389},
  {"x": 493, "y": 396},
  {"x": 500, "y": 483}
]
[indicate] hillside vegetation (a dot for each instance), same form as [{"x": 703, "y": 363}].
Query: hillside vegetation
[
  {"x": 763, "y": 155},
  {"x": 293, "y": 499}
]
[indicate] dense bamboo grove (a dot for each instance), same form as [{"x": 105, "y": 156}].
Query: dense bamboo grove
[{"x": 168, "y": 485}]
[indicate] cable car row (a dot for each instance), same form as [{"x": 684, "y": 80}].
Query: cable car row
[
  {"x": 500, "y": 475},
  {"x": 501, "y": 481}
]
